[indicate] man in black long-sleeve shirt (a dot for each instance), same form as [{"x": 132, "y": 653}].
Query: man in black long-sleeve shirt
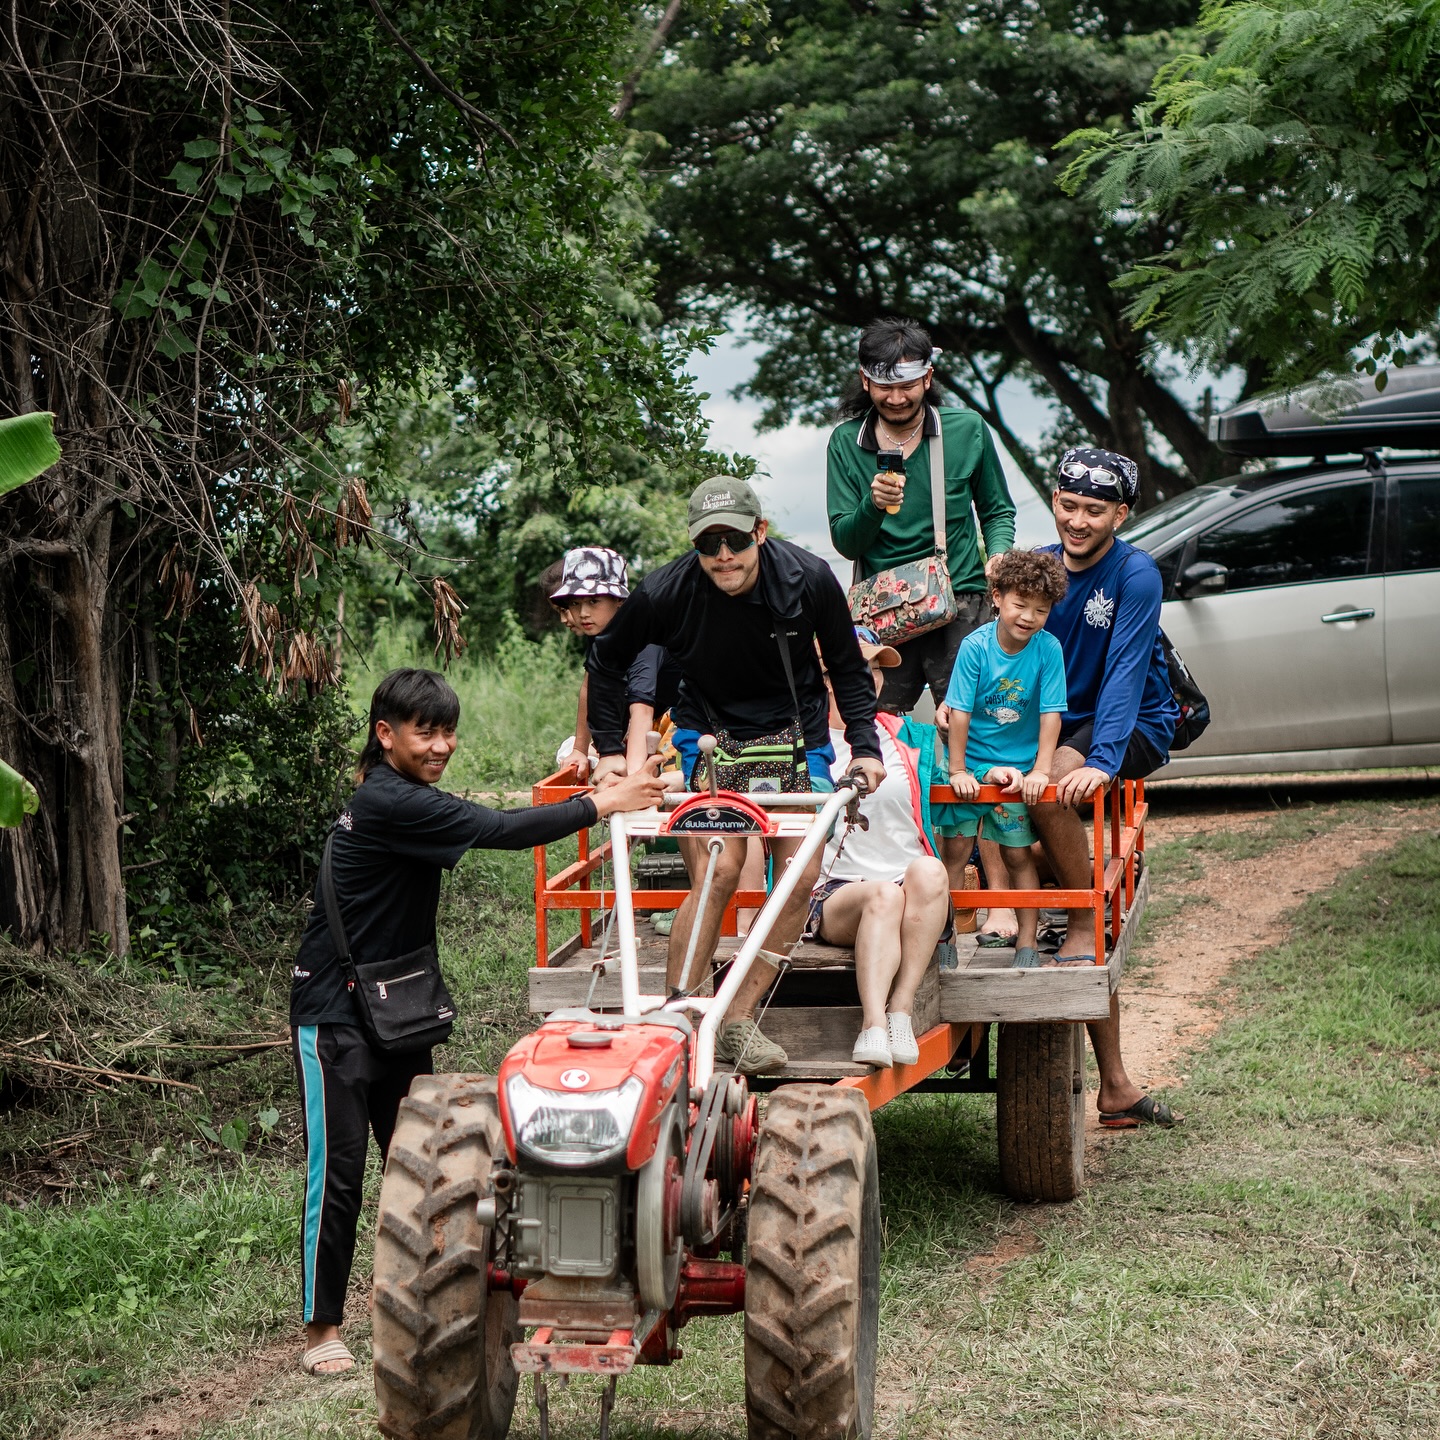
[
  {"x": 394, "y": 837},
  {"x": 716, "y": 612}
]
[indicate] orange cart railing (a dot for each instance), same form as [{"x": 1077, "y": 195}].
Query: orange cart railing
[{"x": 571, "y": 889}]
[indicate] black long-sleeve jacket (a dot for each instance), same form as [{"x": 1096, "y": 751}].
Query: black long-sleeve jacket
[{"x": 732, "y": 674}]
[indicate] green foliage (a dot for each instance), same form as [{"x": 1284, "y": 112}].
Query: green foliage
[
  {"x": 894, "y": 158},
  {"x": 1296, "y": 157},
  {"x": 17, "y": 796},
  {"x": 135, "y": 1274},
  {"x": 505, "y": 506},
  {"x": 27, "y": 449}
]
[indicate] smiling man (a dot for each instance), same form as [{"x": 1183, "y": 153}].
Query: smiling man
[
  {"x": 1120, "y": 714},
  {"x": 723, "y": 613},
  {"x": 395, "y": 836},
  {"x": 892, "y": 407}
]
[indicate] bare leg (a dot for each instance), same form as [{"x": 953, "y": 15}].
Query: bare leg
[
  {"x": 926, "y": 891},
  {"x": 1020, "y": 865},
  {"x": 785, "y": 931},
  {"x": 752, "y": 877},
  {"x": 727, "y": 880},
  {"x": 1001, "y": 919},
  {"x": 1062, "y": 833},
  {"x": 869, "y": 915}
]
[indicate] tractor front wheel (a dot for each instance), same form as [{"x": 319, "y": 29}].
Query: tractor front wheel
[
  {"x": 812, "y": 1269},
  {"x": 1040, "y": 1110},
  {"x": 442, "y": 1337}
]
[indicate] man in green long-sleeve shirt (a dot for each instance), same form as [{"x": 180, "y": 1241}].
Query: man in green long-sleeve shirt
[{"x": 891, "y": 410}]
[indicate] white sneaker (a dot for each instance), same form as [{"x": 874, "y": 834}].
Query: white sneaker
[
  {"x": 903, "y": 1049},
  {"x": 871, "y": 1049}
]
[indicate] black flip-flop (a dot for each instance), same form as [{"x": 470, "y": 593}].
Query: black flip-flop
[
  {"x": 993, "y": 940},
  {"x": 1146, "y": 1109}
]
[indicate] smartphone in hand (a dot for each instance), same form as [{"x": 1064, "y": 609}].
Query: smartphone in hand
[{"x": 891, "y": 462}]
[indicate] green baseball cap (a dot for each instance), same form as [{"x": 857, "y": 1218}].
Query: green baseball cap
[{"x": 722, "y": 500}]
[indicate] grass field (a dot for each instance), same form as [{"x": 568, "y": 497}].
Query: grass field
[{"x": 1270, "y": 1269}]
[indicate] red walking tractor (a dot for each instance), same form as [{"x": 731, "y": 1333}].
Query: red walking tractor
[{"x": 572, "y": 1214}]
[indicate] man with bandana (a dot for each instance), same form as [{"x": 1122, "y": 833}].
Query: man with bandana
[
  {"x": 1121, "y": 711},
  {"x": 891, "y": 407}
]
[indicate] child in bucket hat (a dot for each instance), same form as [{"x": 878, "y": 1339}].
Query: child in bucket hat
[{"x": 593, "y": 586}]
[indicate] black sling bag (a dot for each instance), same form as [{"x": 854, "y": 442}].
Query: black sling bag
[
  {"x": 771, "y": 763},
  {"x": 403, "y": 1003}
]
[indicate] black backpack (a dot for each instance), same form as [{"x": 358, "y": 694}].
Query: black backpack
[{"x": 1194, "y": 708}]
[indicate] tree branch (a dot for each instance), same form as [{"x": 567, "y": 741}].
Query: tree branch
[
  {"x": 466, "y": 109},
  {"x": 623, "y": 105}
]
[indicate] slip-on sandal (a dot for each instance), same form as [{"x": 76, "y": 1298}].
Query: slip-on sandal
[
  {"x": 1146, "y": 1108},
  {"x": 1027, "y": 957},
  {"x": 321, "y": 1354}
]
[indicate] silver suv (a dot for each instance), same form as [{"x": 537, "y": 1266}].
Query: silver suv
[{"x": 1306, "y": 600}]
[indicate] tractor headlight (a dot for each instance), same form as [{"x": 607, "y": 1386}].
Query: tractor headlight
[{"x": 562, "y": 1127}]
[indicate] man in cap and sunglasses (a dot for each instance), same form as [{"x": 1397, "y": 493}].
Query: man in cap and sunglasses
[
  {"x": 1121, "y": 710},
  {"x": 723, "y": 612}
]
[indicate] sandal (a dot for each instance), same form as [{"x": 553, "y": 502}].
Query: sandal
[
  {"x": 1072, "y": 959},
  {"x": 322, "y": 1354},
  {"x": 1027, "y": 957},
  {"x": 1151, "y": 1111},
  {"x": 993, "y": 940}
]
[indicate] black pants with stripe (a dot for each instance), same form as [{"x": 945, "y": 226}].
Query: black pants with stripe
[{"x": 348, "y": 1091}]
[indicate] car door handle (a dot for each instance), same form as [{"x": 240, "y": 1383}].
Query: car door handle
[{"x": 1336, "y": 616}]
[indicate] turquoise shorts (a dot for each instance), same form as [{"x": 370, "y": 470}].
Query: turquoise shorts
[{"x": 1008, "y": 824}]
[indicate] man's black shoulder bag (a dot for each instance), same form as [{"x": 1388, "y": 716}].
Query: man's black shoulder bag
[{"x": 403, "y": 1003}]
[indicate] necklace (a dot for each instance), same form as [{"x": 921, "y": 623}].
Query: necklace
[{"x": 893, "y": 435}]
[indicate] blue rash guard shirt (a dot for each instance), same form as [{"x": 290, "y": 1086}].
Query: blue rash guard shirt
[{"x": 1108, "y": 625}]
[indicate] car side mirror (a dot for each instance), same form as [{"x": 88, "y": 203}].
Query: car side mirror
[{"x": 1204, "y": 577}]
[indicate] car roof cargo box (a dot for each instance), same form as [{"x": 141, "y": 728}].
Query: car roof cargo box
[{"x": 1347, "y": 416}]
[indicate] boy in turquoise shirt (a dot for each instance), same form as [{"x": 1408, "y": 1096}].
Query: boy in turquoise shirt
[{"x": 1006, "y": 696}]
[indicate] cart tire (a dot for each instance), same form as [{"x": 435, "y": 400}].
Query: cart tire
[
  {"x": 812, "y": 1269},
  {"x": 442, "y": 1338},
  {"x": 1040, "y": 1110}
]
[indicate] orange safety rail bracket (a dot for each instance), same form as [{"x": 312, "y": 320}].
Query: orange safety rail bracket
[{"x": 937, "y": 1048}]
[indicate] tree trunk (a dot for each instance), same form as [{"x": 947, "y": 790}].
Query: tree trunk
[{"x": 92, "y": 718}]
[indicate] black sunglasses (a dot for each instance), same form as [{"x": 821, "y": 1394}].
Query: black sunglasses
[{"x": 736, "y": 541}]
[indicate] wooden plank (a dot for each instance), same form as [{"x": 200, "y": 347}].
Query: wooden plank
[
  {"x": 1049, "y": 993},
  {"x": 1121, "y": 952},
  {"x": 820, "y": 1070},
  {"x": 814, "y": 1032},
  {"x": 988, "y": 988}
]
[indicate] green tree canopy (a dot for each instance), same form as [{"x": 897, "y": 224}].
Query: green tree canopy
[
  {"x": 227, "y": 235},
  {"x": 894, "y": 157},
  {"x": 1296, "y": 160}
]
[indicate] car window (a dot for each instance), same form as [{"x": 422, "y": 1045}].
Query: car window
[
  {"x": 1170, "y": 514},
  {"x": 1169, "y": 566},
  {"x": 1316, "y": 535},
  {"x": 1420, "y": 524}
]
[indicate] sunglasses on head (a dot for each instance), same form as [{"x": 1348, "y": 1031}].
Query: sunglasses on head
[
  {"x": 1097, "y": 474},
  {"x": 709, "y": 542}
]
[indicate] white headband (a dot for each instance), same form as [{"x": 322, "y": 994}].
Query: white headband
[{"x": 901, "y": 374}]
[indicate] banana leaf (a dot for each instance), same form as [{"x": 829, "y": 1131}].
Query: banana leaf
[
  {"x": 27, "y": 448},
  {"x": 17, "y": 796}
]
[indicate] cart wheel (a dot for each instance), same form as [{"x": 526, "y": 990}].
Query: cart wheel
[
  {"x": 1040, "y": 1110},
  {"x": 442, "y": 1338},
  {"x": 812, "y": 1269}
]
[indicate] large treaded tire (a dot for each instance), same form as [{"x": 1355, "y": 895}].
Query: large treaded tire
[
  {"x": 812, "y": 1269},
  {"x": 1040, "y": 1110},
  {"x": 442, "y": 1339}
]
